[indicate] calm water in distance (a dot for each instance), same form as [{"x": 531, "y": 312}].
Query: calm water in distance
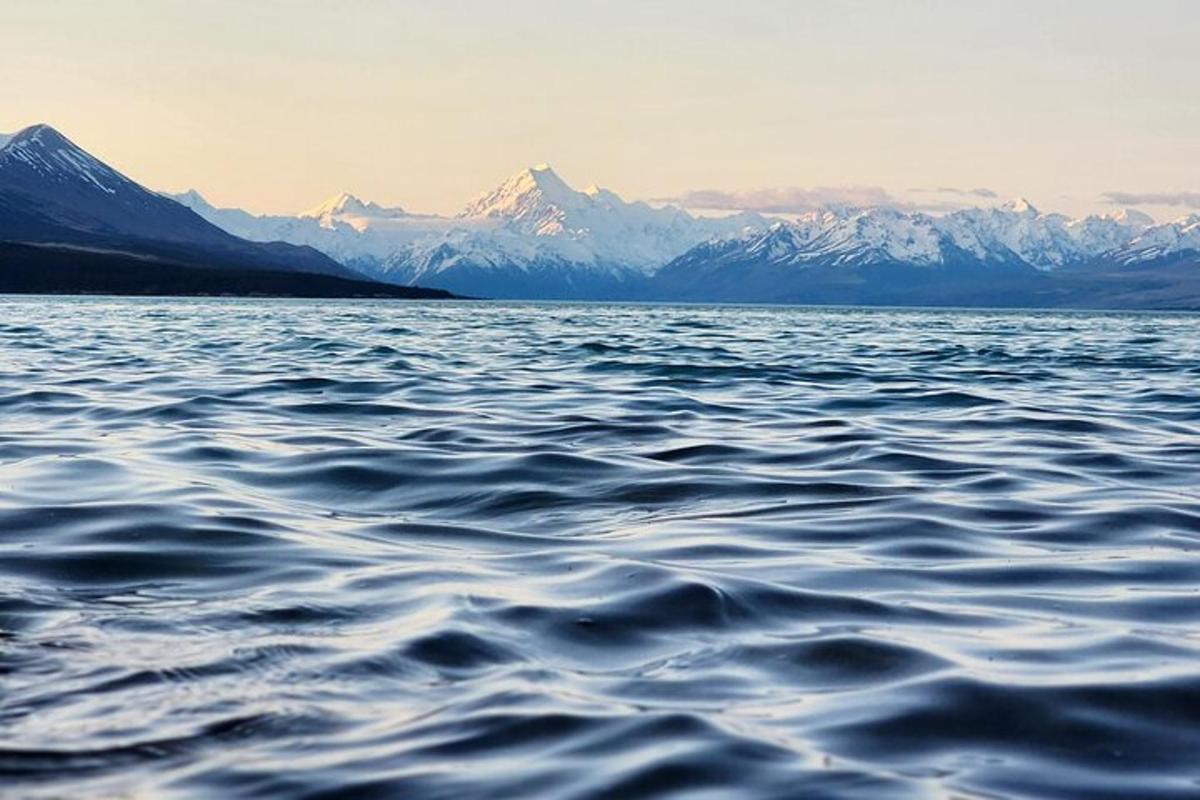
[{"x": 380, "y": 549}]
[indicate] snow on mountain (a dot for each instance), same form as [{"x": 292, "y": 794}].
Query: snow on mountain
[
  {"x": 1015, "y": 233},
  {"x": 344, "y": 206},
  {"x": 1162, "y": 241},
  {"x": 1017, "y": 229},
  {"x": 533, "y": 223},
  {"x": 1019, "y": 205},
  {"x": 880, "y": 235},
  {"x": 53, "y": 158},
  {"x": 535, "y": 236},
  {"x": 5, "y": 138},
  {"x": 345, "y": 228},
  {"x": 232, "y": 220},
  {"x": 47, "y": 175},
  {"x": 534, "y": 231},
  {"x": 593, "y": 228},
  {"x": 1045, "y": 241},
  {"x": 1132, "y": 217},
  {"x": 1096, "y": 235},
  {"x": 53, "y": 191},
  {"x": 534, "y": 198},
  {"x": 869, "y": 236}
]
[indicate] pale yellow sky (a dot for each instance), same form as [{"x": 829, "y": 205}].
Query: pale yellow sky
[{"x": 273, "y": 105}]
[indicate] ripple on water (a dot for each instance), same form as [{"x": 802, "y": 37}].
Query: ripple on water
[{"x": 457, "y": 550}]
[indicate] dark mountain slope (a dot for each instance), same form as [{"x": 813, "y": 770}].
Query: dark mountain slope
[
  {"x": 53, "y": 191},
  {"x": 77, "y": 269}
]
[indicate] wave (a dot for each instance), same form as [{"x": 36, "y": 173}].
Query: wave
[{"x": 469, "y": 550}]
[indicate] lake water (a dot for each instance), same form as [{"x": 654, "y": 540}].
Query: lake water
[{"x": 468, "y": 550}]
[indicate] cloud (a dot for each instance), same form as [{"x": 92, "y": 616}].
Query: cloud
[
  {"x": 982, "y": 192},
  {"x": 798, "y": 200},
  {"x": 1186, "y": 199},
  {"x": 787, "y": 200}
]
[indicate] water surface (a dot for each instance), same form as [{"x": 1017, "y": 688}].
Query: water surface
[{"x": 378, "y": 549}]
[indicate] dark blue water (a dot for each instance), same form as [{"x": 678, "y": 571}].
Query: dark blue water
[{"x": 336, "y": 549}]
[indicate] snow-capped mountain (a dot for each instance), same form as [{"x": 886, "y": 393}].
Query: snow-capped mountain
[
  {"x": 540, "y": 235},
  {"x": 1013, "y": 233},
  {"x": 533, "y": 235},
  {"x": 897, "y": 256},
  {"x": 594, "y": 227},
  {"x": 536, "y": 236},
  {"x": 347, "y": 205},
  {"x": 1044, "y": 241},
  {"x": 232, "y": 220},
  {"x": 53, "y": 191},
  {"x": 41, "y": 155},
  {"x": 356, "y": 233},
  {"x": 1157, "y": 242}
]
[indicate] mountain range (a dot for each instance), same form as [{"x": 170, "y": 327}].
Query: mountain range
[
  {"x": 536, "y": 237},
  {"x": 531, "y": 237}
]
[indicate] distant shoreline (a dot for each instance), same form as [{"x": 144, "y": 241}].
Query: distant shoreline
[
  {"x": 27, "y": 269},
  {"x": 65, "y": 270}
]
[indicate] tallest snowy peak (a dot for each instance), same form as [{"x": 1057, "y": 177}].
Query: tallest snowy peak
[
  {"x": 540, "y": 177},
  {"x": 537, "y": 186}
]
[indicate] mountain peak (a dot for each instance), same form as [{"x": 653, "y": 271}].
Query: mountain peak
[
  {"x": 42, "y": 153},
  {"x": 192, "y": 199},
  {"x": 346, "y": 203},
  {"x": 43, "y": 135},
  {"x": 1131, "y": 216},
  {"x": 65, "y": 196},
  {"x": 544, "y": 177},
  {"x": 1019, "y": 205},
  {"x": 604, "y": 197},
  {"x": 516, "y": 197},
  {"x": 338, "y": 204}
]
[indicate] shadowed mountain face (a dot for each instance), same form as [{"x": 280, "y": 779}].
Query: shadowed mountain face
[{"x": 53, "y": 191}]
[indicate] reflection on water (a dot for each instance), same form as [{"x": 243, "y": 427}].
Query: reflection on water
[{"x": 314, "y": 549}]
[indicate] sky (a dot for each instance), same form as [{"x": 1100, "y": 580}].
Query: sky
[{"x": 274, "y": 105}]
